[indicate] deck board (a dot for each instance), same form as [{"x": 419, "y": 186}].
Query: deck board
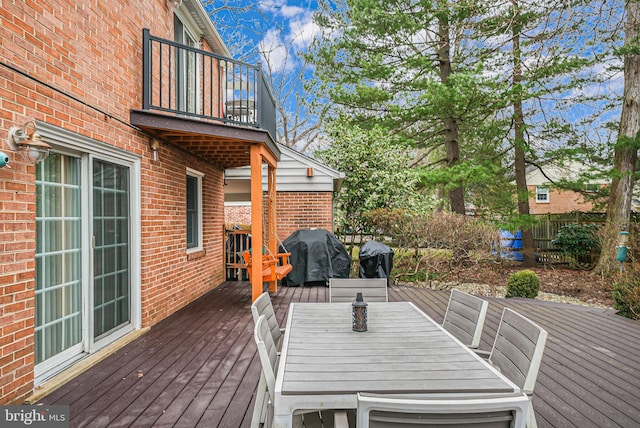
[{"x": 199, "y": 367}]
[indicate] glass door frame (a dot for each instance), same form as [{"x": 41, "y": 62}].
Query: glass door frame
[{"x": 87, "y": 149}]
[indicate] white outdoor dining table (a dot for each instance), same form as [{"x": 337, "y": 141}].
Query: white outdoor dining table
[{"x": 324, "y": 363}]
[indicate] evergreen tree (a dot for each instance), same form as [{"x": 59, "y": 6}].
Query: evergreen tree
[{"x": 413, "y": 68}]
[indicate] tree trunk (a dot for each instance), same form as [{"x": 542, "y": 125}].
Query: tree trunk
[
  {"x": 626, "y": 150},
  {"x": 456, "y": 195},
  {"x": 520, "y": 144}
]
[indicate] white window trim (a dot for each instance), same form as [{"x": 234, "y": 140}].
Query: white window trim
[
  {"x": 543, "y": 190},
  {"x": 199, "y": 176},
  {"x": 194, "y": 32}
]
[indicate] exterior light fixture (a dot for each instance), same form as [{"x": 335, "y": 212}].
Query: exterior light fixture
[
  {"x": 175, "y": 3},
  {"x": 29, "y": 143},
  {"x": 155, "y": 145}
]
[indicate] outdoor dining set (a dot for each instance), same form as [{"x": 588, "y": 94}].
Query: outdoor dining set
[{"x": 362, "y": 361}]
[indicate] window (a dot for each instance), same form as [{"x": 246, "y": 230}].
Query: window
[
  {"x": 194, "y": 210},
  {"x": 186, "y": 66},
  {"x": 542, "y": 194},
  {"x": 591, "y": 187}
]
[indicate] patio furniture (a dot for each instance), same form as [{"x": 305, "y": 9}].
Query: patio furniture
[
  {"x": 263, "y": 410},
  {"x": 241, "y": 110},
  {"x": 274, "y": 267},
  {"x": 263, "y": 306},
  {"x": 382, "y": 411},
  {"x": 345, "y": 289},
  {"x": 517, "y": 352},
  {"x": 465, "y": 317},
  {"x": 325, "y": 364}
]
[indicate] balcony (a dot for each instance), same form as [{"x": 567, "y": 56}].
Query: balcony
[{"x": 207, "y": 104}]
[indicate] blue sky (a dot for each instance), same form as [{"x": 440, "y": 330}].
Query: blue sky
[
  {"x": 277, "y": 28},
  {"x": 286, "y": 29}
]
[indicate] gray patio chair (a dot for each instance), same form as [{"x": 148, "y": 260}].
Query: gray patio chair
[
  {"x": 383, "y": 411},
  {"x": 345, "y": 289},
  {"x": 465, "y": 317},
  {"x": 263, "y": 306},
  {"x": 263, "y": 410},
  {"x": 517, "y": 352}
]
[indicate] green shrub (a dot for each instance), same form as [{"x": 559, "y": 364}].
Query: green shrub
[
  {"x": 577, "y": 240},
  {"x": 626, "y": 293},
  {"x": 523, "y": 284}
]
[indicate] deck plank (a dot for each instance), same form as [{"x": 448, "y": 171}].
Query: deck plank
[{"x": 200, "y": 367}]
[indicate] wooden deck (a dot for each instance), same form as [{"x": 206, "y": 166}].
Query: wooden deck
[{"x": 199, "y": 367}]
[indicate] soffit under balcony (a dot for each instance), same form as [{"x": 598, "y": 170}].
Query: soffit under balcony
[{"x": 222, "y": 144}]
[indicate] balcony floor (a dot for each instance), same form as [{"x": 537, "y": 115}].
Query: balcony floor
[{"x": 199, "y": 367}]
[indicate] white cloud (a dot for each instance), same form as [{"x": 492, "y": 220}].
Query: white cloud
[
  {"x": 271, "y": 6},
  {"x": 302, "y": 32},
  {"x": 280, "y": 8},
  {"x": 611, "y": 82},
  {"x": 292, "y": 11},
  {"x": 275, "y": 54}
]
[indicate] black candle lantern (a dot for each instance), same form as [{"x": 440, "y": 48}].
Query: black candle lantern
[{"x": 359, "y": 313}]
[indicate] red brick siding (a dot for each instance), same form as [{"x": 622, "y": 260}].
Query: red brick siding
[
  {"x": 304, "y": 210},
  {"x": 296, "y": 210},
  {"x": 237, "y": 214},
  {"x": 559, "y": 202},
  {"x": 92, "y": 50}
]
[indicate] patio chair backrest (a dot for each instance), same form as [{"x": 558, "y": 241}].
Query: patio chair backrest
[
  {"x": 518, "y": 348},
  {"x": 263, "y": 306},
  {"x": 465, "y": 317},
  {"x": 267, "y": 352},
  {"x": 380, "y": 411},
  {"x": 345, "y": 289}
]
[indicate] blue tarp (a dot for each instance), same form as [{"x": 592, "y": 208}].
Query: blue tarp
[{"x": 510, "y": 244}]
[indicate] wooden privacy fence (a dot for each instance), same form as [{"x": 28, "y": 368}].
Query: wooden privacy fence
[{"x": 550, "y": 224}]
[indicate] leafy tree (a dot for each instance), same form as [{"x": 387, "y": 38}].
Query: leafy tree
[
  {"x": 411, "y": 68},
  {"x": 240, "y": 24},
  {"x": 628, "y": 143},
  {"x": 376, "y": 172}
]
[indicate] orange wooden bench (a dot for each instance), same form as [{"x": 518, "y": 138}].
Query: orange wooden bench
[{"x": 274, "y": 268}]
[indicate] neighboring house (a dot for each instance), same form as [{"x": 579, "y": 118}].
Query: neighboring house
[
  {"x": 120, "y": 226},
  {"x": 304, "y": 199},
  {"x": 544, "y": 198}
]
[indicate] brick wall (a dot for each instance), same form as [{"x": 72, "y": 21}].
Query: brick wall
[
  {"x": 560, "y": 201},
  {"x": 92, "y": 49},
  {"x": 17, "y": 251},
  {"x": 237, "y": 214},
  {"x": 296, "y": 210},
  {"x": 304, "y": 210}
]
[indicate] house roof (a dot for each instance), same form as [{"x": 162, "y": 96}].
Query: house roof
[
  {"x": 296, "y": 172},
  {"x": 201, "y": 18},
  {"x": 569, "y": 170}
]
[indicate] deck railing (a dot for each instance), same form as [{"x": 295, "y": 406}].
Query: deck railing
[{"x": 189, "y": 81}]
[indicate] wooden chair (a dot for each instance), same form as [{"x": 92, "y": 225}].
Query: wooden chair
[
  {"x": 517, "y": 352},
  {"x": 263, "y": 409},
  {"x": 465, "y": 317},
  {"x": 274, "y": 267},
  {"x": 345, "y": 289},
  {"x": 382, "y": 411}
]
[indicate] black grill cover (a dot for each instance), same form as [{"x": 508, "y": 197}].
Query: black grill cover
[
  {"x": 316, "y": 256},
  {"x": 376, "y": 260}
]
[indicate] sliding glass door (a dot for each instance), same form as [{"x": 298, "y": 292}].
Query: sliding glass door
[{"x": 83, "y": 256}]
